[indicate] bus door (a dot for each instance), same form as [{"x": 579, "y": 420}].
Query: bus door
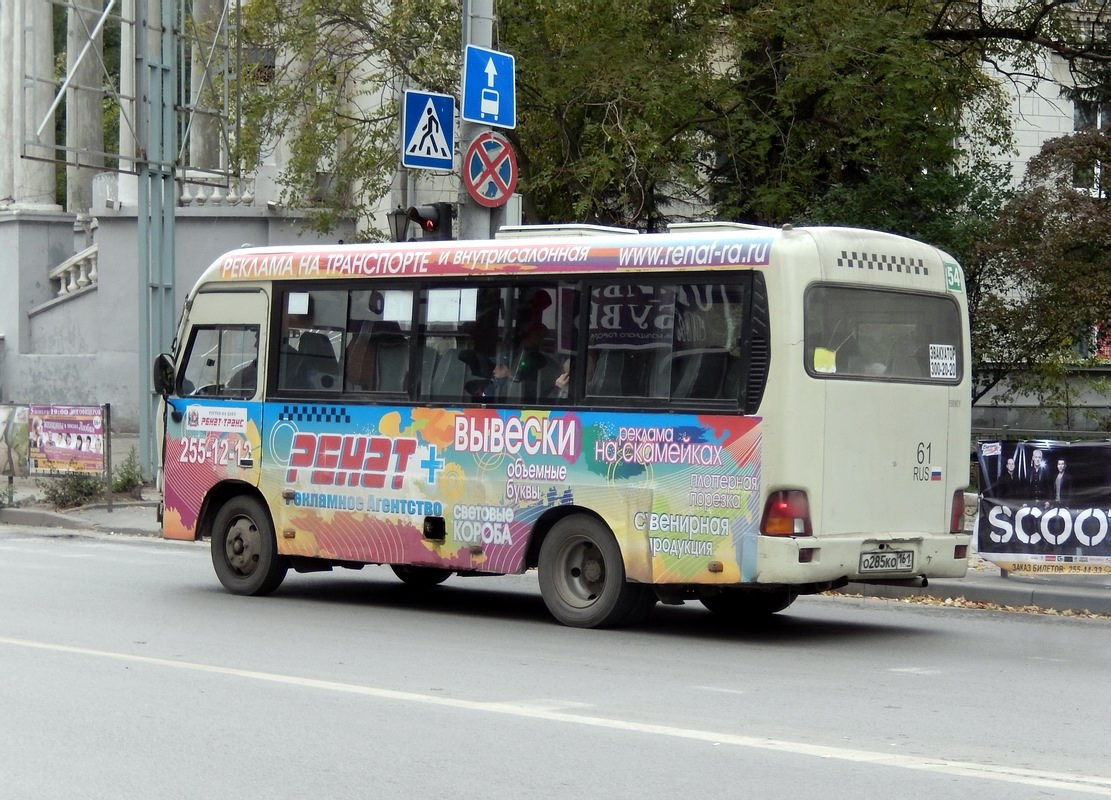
[
  {"x": 214, "y": 418},
  {"x": 888, "y": 362}
]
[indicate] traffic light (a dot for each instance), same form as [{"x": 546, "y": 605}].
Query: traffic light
[{"x": 434, "y": 220}]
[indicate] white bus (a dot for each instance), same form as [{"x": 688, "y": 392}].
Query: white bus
[{"x": 729, "y": 414}]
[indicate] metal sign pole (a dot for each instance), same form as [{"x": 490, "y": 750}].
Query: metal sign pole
[
  {"x": 475, "y": 221},
  {"x": 156, "y": 66},
  {"x": 108, "y": 454}
]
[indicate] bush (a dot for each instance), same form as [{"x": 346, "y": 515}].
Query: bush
[
  {"x": 129, "y": 475},
  {"x": 69, "y": 491}
]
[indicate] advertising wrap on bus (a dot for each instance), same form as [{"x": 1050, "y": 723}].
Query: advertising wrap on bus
[
  {"x": 355, "y": 483},
  {"x": 466, "y": 258}
]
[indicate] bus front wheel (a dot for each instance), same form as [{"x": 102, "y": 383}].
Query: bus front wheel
[
  {"x": 244, "y": 551},
  {"x": 741, "y": 604},
  {"x": 582, "y": 577},
  {"x": 420, "y": 577}
]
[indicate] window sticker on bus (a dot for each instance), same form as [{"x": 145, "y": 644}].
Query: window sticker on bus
[
  {"x": 825, "y": 360},
  {"x": 214, "y": 418},
  {"x": 452, "y": 305},
  {"x": 397, "y": 306},
  {"x": 943, "y": 361},
  {"x": 298, "y": 303}
]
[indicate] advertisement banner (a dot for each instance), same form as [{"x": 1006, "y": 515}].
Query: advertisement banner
[
  {"x": 66, "y": 440},
  {"x": 681, "y": 492},
  {"x": 1044, "y": 506},
  {"x": 13, "y": 441}
]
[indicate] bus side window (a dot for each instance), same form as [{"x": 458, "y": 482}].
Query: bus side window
[
  {"x": 607, "y": 374},
  {"x": 222, "y": 362}
]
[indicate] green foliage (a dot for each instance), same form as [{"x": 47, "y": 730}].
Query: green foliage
[
  {"x": 334, "y": 62},
  {"x": 70, "y": 491},
  {"x": 774, "y": 111},
  {"x": 1045, "y": 275},
  {"x": 639, "y": 112},
  {"x": 833, "y": 106},
  {"x": 611, "y": 97},
  {"x": 129, "y": 474}
]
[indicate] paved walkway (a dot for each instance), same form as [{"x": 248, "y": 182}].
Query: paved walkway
[{"x": 982, "y": 585}]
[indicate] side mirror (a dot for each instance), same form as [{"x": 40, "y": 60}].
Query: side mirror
[{"x": 164, "y": 377}]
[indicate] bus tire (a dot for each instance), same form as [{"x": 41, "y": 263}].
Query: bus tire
[
  {"x": 420, "y": 577},
  {"x": 244, "y": 551},
  {"x": 747, "y": 604},
  {"x": 582, "y": 577}
]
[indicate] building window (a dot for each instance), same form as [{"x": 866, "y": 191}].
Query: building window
[{"x": 1090, "y": 116}]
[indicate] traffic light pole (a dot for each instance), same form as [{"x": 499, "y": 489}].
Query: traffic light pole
[{"x": 476, "y": 221}]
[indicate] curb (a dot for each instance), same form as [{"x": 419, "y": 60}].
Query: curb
[
  {"x": 39, "y": 517},
  {"x": 1005, "y": 593},
  {"x": 42, "y": 518}
]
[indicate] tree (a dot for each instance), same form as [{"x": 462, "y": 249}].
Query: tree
[
  {"x": 322, "y": 81},
  {"x": 611, "y": 100},
  {"x": 633, "y": 113},
  {"x": 1045, "y": 283},
  {"x": 846, "y": 113}
]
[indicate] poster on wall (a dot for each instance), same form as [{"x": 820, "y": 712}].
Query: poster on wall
[
  {"x": 66, "y": 440},
  {"x": 1044, "y": 506},
  {"x": 13, "y": 441}
]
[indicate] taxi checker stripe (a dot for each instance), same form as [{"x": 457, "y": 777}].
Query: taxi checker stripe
[
  {"x": 314, "y": 414},
  {"x": 491, "y": 169}
]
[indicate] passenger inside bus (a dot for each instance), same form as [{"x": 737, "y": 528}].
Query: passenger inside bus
[
  {"x": 562, "y": 386},
  {"x": 315, "y": 366},
  {"x": 377, "y": 358}
]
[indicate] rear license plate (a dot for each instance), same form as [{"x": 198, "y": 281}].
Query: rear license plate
[{"x": 887, "y": 561}]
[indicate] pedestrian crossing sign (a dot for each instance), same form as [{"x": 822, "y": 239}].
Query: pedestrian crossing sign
[{"x": 428, "y": 131}]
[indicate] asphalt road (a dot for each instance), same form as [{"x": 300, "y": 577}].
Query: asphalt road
[{"x": 129, "y": 673}]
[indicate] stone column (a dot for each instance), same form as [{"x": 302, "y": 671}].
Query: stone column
[
  {"x": 128, "y": 116},
  {"x": 204, "y": 135},
  {"x": 33, "y": 92},
  {"x": 84, "y": 106},
  {"x": 9, "y": 78}
]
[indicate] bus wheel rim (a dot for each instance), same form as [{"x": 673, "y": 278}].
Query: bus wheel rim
[
  {"x": 242, "y": 546},
  {"x": 582, "y": 572}
]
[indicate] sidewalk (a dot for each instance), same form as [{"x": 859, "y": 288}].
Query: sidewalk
[
  {"x": 982, "y": 586},
  {"x": 125, "y": 518}
]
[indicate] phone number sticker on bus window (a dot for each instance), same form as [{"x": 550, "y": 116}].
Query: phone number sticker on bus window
[{"x": 943, "y": 361}]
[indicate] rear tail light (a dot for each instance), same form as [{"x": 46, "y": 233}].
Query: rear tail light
[
  {"x": 956, "y": 514},
  {"x": 787, "y": 513}
]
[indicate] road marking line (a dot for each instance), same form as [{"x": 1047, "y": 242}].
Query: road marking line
[{"x": 1089, "y": 784}]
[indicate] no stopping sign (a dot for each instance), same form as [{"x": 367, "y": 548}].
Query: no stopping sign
[{"x": 490, "y": 170}]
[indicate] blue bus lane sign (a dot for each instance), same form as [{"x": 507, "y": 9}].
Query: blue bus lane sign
[{"x": 489, "y": 87}]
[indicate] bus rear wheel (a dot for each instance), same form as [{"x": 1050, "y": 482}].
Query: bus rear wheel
[
  {"x": 244, "y": 551},
  {"x": 742, "y": 604},
  {"x": 420, "y": 577},
  {"x": 582, "y": 577}
]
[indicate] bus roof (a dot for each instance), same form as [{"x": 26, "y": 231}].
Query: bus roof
[{"x": 687, "y": 249}]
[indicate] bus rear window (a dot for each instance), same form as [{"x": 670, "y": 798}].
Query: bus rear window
[{"x": 882, "y": 335}]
